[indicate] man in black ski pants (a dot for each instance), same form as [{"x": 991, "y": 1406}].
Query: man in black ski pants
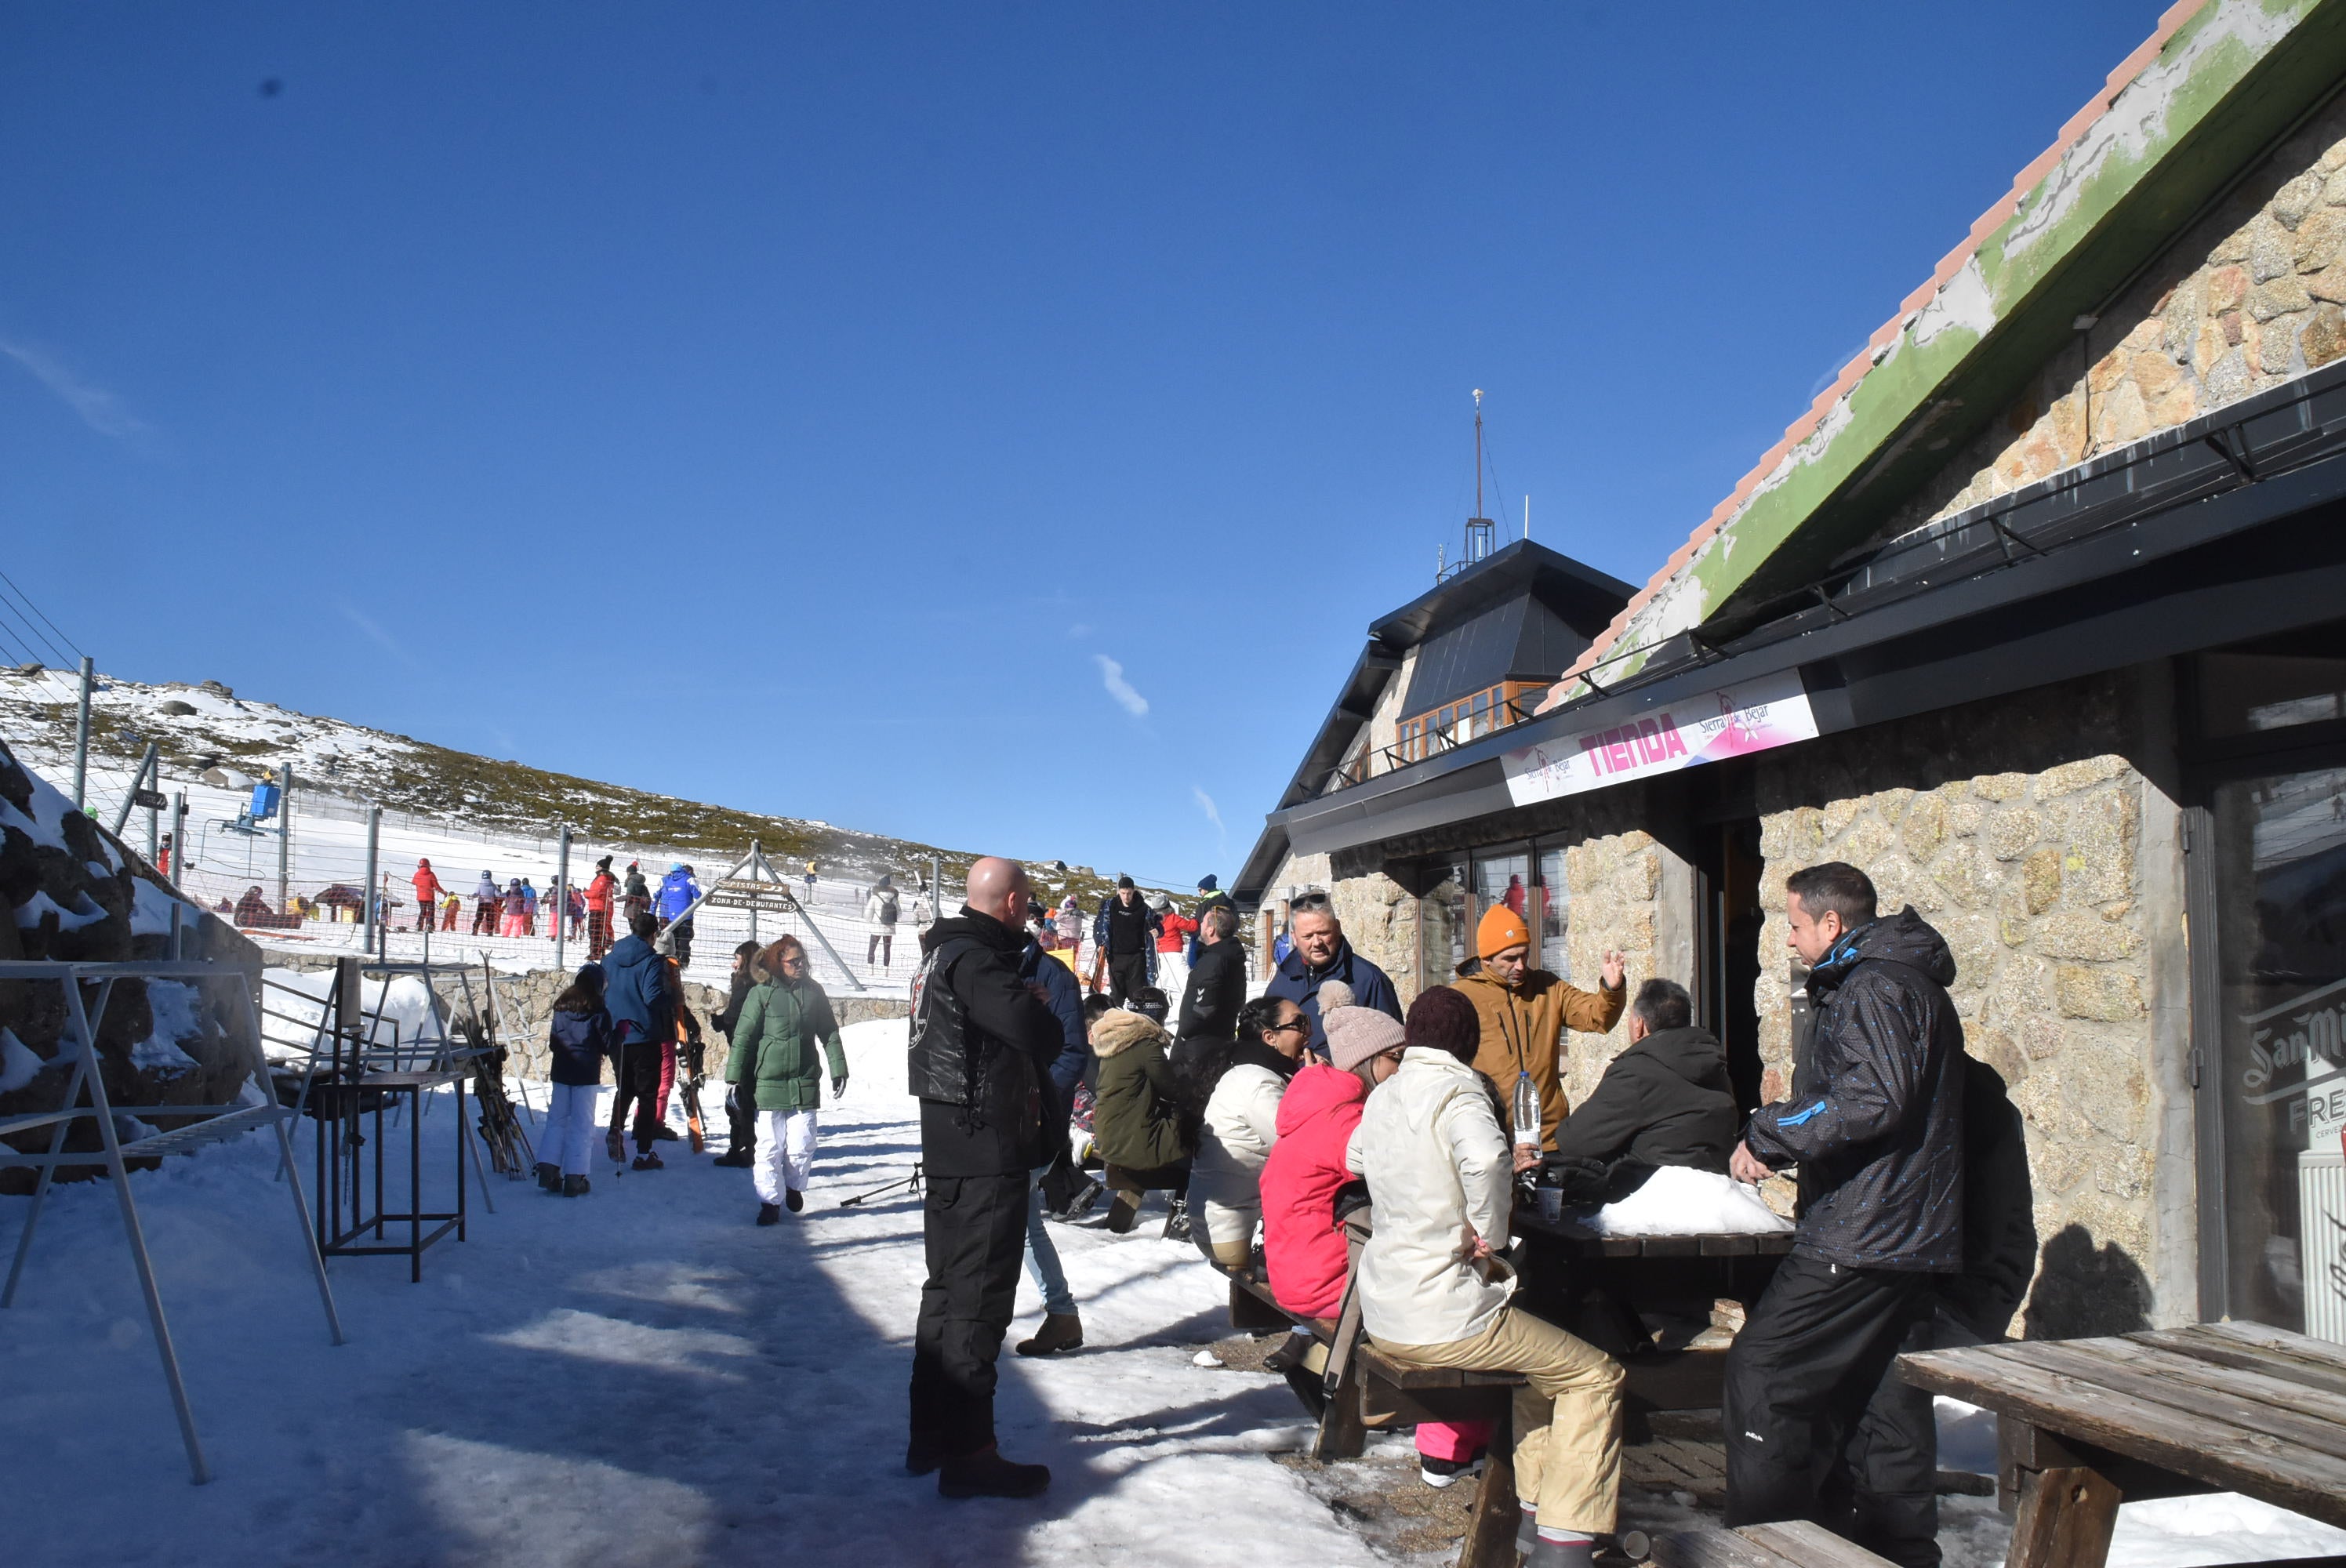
[
  {"x": 1126, "y": 932},
  {"x": 740, "y": 1110},
  {"x": 982, "y": 1041},
  {"x": 1819, "y": 1425}
]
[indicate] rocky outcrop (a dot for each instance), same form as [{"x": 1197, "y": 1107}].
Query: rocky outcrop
[{"x": 74, "y": 891}]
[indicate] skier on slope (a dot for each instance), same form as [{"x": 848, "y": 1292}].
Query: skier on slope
[
  {"x": 601, "y": 894},
  {"x": 427, "y": 894},
  {"x": 677, "y": 892}
]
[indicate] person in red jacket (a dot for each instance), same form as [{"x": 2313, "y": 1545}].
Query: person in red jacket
[
  {"x": 600, "y": 894},
  {"x": 1305, "y": 1254},
  {"x": 427, "y": 894}
]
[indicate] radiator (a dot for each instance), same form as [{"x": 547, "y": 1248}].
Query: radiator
[{"x": 2322, "y": 1230}]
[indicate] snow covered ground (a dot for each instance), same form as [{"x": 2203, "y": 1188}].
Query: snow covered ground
[{"x": 642, "y": 1376}]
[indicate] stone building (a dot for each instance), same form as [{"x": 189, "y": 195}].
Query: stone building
[{"x": 2038, "y": 615}]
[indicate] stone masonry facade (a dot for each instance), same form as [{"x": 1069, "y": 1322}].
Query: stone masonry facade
[
  {"x": 2020, "y": 828},
  {"x": 2250, "y": 298},
  {"x": 2016, "y": 828}
]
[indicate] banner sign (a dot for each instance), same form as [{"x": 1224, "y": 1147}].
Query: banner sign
[{"x": 1761, "y": 715}]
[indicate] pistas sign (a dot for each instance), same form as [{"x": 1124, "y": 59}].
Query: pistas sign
[{"x": 1764, "y": 714}]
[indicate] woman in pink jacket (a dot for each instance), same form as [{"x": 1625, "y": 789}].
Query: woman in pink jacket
[{"x": 1304, "y": 1249}]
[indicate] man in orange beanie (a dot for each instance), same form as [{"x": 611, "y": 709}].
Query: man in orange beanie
[{"x": 1524, "y": 1012}]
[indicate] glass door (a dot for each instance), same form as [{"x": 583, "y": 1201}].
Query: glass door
[{"x": 2279, "y": 868}]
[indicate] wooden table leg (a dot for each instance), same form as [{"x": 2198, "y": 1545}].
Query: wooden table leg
[
  {"x": 2065, "y": 1519},
  {"x": 1491, "y": 1531}
]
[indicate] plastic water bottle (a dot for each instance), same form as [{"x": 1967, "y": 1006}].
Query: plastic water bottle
[{"x": 1526, "y": 1110}]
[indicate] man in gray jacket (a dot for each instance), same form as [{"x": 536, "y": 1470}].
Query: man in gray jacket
[{"x": 1819, "y": 1425}]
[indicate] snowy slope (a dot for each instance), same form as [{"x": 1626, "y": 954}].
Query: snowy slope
[{"x": 249, "y": 738}]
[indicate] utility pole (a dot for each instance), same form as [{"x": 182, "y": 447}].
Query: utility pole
[
  {"x": 754, "y": 862},
  {"x": 178, "y": 835},
  {"x": 81, "y": 738},
  {"x": 284, "y": 833},
  {"x": 367, "y": 922},
  {"x": 561, "y": 900}
]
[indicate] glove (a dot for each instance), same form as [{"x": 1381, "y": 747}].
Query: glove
[{"x": 839, "y": 1086}]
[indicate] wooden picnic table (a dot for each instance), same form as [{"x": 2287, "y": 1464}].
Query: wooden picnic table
[{"x": 2084, "y": 1423}]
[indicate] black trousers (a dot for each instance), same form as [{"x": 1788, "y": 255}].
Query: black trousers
[
  {"x": 882, "y": 944},
  {"x": 740, "y": 1120},
  {"x": 1819, "y": 1424},
  {"x": 1127, "y": 976},
  {"x": 975, "y": 1229},
  {"x": 638, "y": 1079},
  {"x": 679, "y": 936}
]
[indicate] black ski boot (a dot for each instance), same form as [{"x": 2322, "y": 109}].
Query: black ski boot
[
  {"x": 794, "y": 1198},
  {"x": 549, "y": 1176},
  {"x": 575, "y": 1186},
  {"x": 769, "y": 1214}
]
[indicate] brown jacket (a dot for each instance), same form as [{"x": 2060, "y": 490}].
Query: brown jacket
[{"x": 1523, "y": 1032}]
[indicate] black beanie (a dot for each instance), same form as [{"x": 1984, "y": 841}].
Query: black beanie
[{"x": 1123, "y": 882}]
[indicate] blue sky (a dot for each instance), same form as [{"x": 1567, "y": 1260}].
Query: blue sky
[{"x": 995, "y": 425}]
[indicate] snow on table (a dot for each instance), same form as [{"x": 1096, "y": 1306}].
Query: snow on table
[{"x": 637, "y": 1377}]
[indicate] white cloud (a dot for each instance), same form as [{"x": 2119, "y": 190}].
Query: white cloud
[
  {"x": 388, "y": 643},
  {"x": 99, "y": 409},
  {"x": 1112, "y": 677},
  {"x": 1206, "y": 804}
]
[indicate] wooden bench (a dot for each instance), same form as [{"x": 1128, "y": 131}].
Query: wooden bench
[
  {"x": 2082, "y": 1423},
  {"x": 1793, "y": 1544},
  {"x": 1359, "y": 1376}
]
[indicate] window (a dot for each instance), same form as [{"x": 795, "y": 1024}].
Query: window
[
  {"x": 1482, "y": 723},
  {"x": 1555, "y": 915},
  {"x": 2280, "y": 849}
]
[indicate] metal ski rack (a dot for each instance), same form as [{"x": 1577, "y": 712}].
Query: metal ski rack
[{"x": 196, "y": 1126}]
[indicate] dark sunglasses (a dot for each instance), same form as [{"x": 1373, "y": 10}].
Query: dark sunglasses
[
  {"x": 1302, "y": 1024},
  {"x": 1310, "y": 901}
]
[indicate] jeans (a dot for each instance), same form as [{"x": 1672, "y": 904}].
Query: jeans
[{"x": 1043, "y": 1265}]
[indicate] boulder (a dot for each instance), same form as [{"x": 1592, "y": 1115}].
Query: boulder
[{"x": 73, "y": 891}]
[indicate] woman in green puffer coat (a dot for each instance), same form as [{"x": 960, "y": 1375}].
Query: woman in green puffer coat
[
  {"x": 1138, "y": 1124},
  {"x": 775, "y": 1068}
]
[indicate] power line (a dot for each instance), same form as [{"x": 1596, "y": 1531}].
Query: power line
[{"x": 27, "y": 601}]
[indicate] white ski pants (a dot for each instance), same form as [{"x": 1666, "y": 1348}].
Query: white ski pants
[
  {"x": 568, "y": 1140},
  {"x": 785, "y": 1157}
]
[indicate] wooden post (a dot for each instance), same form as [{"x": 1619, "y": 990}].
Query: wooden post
[
  {"x": 2065, "y": 1519},
  {"x": 1491, "y": 1531}
]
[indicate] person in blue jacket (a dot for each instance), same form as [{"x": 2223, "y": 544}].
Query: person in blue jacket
[
  {"x": 1321, "y": 954},
  {"x": 677, "y": 892},
  {"x": 1063, "y": 1329},
  {"x": 635, "y": 991}
]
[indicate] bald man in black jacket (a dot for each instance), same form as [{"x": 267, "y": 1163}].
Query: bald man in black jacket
[{"x": 982, "y": 1045}]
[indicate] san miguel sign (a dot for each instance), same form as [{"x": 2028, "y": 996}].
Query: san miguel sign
[{"x": 1761, "y": 715}]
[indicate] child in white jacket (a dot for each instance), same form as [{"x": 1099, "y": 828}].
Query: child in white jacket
[{"x": 1441, "y": 1174}]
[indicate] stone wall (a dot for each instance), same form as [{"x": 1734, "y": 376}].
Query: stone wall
[
  {"x": 2253, "y": 296},
  {"x": 1615, "y": 881},
  {"x": 2016, "y": 828},
  {"x": 1379, "y": 916}
]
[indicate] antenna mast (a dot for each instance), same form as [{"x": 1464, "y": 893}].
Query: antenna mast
[{"x": 1482, "y": 534}]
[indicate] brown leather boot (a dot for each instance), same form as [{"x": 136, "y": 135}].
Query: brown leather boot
[{"x": 1060, "y": 1331}]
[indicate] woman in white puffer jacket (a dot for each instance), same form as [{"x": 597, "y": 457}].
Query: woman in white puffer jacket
[
  {"x": 1244, "y": 1080},
  {"x": 1434, "y": 1295}
]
